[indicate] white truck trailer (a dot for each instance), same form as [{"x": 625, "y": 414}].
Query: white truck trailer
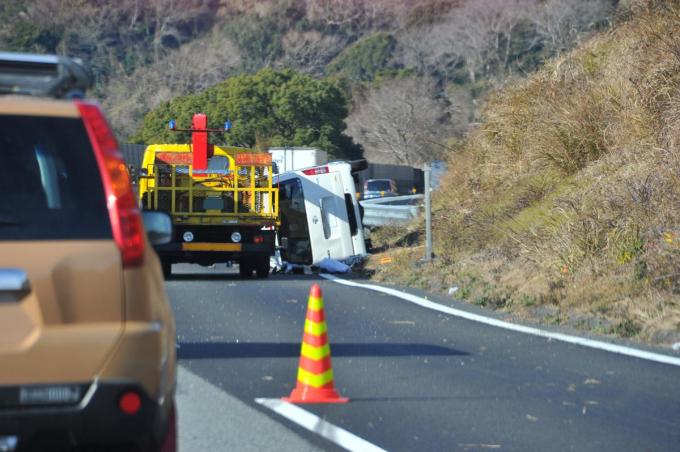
[{"x": 292, "y": 159}]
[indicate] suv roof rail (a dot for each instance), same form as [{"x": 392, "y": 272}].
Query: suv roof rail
[{"x": 43, "y": 75}]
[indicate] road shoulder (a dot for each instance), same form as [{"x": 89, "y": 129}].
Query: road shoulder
[{"x": 210, "y": 419}]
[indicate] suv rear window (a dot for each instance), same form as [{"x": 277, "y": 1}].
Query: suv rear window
[
  {"x": 50, "y": 183},
  {"x": 378, "y": 185}
]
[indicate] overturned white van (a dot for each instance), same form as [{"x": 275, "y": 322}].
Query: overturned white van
[{"x": 320, "y": 216}]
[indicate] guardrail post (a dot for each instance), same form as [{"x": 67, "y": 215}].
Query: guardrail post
[{"x": 428, "y": 213}]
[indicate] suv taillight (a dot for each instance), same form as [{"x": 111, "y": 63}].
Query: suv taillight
[{"x": 126, "y": 221}]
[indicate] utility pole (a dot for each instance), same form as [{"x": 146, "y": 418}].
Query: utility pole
[{"x": 428, "y": 213}]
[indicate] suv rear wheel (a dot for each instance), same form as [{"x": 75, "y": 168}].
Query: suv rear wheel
[{"x": 169, "y": 442}]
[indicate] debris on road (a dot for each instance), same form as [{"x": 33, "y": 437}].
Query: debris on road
[{"x": 333, "y": 266}]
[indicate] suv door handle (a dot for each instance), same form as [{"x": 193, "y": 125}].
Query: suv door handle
[{"x": 13, "y": 280}]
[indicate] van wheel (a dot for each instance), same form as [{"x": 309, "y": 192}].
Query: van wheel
[
  {"x": 245, "y": 269},
  {"x": 262, "y": 268}
]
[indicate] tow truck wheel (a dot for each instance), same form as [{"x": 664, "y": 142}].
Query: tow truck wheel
[
  {"x": 262, "y": 268},
  {"x": 245, "y": 270}
]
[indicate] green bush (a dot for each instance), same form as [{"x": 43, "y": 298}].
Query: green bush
[{"x": 270, "y": 108}]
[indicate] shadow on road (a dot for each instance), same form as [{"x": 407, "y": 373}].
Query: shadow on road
[
  {"x": 203, "y": 277},
  {"x": 217, "y": 350},
  {"x": 235, "y": 277}
]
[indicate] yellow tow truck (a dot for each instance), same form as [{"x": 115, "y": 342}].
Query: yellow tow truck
[{"x": 221, "y": 201}]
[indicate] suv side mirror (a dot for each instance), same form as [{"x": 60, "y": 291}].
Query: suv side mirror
[{"x": 158, "y": 227}]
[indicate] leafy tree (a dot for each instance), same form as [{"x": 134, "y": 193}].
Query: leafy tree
[
  {"x": 365, "y": 59},
  {"x": 277, "y": 108}
]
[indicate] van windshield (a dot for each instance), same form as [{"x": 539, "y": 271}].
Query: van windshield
[{"x": 50, "y": 186}]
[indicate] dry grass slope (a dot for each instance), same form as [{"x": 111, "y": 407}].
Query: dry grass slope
[{"x": 564, "y": 205}]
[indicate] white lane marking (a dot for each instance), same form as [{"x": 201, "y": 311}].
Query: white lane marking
[
  {"x": 315, "y": 424},
  {"x": 613, "y": 348}
]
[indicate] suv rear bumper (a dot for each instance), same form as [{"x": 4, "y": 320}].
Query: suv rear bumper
[{"x": 95, "y": 420}]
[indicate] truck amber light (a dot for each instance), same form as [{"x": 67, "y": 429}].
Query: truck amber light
[
  {"x": 253, "y": 159},
  {"x": 126, "y": 221},
  {"x": 258, "y": 239},
  {"x": 130, "y": 403}
]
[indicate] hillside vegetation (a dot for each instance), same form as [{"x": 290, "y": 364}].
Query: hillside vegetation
[
  {"x": 564, "y": 203},
  {"x": 440, "y": 57}
]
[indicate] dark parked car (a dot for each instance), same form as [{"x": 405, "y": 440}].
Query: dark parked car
[{"x": 378, "y": 188}]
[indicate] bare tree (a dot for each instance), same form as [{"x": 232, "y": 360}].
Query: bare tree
[
  {"x": 167, "y": 15},
  {"x": 560, "y": 23},
  {"x": 399, "y": 122},
  {"x": 427, "y": 49},
  {"x": 335, "y": 12},
  {"x": 358, "y": 14},
  {"x": 310, "y": 51},
  {"x": 479, "y": 33},
  {"x": 193, "y": 67}
]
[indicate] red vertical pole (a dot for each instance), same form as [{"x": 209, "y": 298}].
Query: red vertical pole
[{"x": 199, "y": 141}]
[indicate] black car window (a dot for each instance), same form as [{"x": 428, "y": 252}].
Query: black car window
[
  {"x": 351, "y": 216},
  {"x": 50, "y": 182},
  {"x": 378, "y": 185}
]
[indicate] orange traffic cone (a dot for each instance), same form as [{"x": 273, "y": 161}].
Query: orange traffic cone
[{"x": 315, "y": 372}]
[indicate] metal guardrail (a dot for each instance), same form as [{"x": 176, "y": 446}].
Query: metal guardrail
[{"x": 391, "y": 210}]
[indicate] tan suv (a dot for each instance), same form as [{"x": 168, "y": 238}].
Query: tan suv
[{"x": 87, "y": 336}]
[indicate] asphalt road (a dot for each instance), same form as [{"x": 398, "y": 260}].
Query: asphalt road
[{"x": 417, "y": 379}]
